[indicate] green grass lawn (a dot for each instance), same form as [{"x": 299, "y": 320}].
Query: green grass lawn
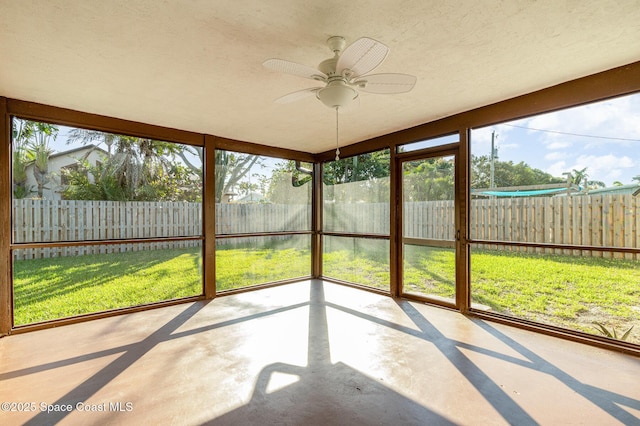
[
  {"x": 357, "y": 260},
  {"x": 46, "y": 289},
  {"x": 563, "y": 290},
  {"x": 430, "y": 271},
  {"x": 242, "y": 267}
]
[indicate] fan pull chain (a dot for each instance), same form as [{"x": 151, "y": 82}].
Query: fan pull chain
[{"x": 337, "y": 143}]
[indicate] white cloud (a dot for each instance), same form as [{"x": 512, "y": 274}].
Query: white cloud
[
  {"x": 555, "y": 156},
  {"x": 606, "y": 168},
  {"x": 558, "y": 168},
  {"x": 604, "y": 163},
  {"x": 559, "y": 144},
  {"x": 605, "y": 159}
]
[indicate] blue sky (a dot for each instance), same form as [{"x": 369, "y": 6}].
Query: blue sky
[{"x": 604, "y": 137}]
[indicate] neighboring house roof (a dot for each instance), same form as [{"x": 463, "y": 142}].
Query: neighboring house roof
[
  {"x": 87, "y": 148},
  {"x": 531, "y": 193},
  {"x": 252, "y": 197},
  {"x": 633, "y": 188}
]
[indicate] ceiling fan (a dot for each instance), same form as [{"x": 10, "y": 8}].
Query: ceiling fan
[{"x": 345, "y": 75}]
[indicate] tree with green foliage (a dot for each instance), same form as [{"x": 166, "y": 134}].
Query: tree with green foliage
[
  {"x": 429, "y": 180},
  {"x": 362, "y": 168},
  {"x": 357, "y": 168},
  {"x": 133, "y": 169},
  {"x": 101, "y": 182},
  {"x": 290, "y": 183},
  {"x": 507, "y": 173},
  {"x": 230, "y": 169},
  {"x": 296, "y": 172}
]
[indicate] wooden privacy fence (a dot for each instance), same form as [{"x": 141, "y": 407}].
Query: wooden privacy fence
[
  {"x": 592, "y": 220},
  {"x": 256, "y": 217},
  {"x": 76, "y": 220},
  {"x": 363, "y": 218},
  {"x": 61, "y": 220}
]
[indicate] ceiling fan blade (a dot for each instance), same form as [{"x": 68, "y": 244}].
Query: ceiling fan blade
[
  {"x": 386, "y": 83},
  {"x": 296, "y": 96},
  {"x": 294, "y": 68},
  {"x": 362, "y": 56}
]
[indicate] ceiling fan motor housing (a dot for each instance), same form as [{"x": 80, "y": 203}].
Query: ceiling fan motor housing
[{"x": 328, "y": 66}]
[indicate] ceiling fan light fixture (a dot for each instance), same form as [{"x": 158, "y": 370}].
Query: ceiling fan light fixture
[{"x": 337, "y": 94}]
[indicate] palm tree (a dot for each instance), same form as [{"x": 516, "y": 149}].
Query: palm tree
[
  {"x": 39, "y": 154},
  {"x": 31, "y": 145},
  {"x": 578, "y": 176},
  {"x": 22, "y": 130},
  {"x": 19, "y": 173},
  {"x": 581, "y": 177}
]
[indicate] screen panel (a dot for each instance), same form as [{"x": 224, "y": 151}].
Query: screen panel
[
  {"x": 363, "y": 261},
  {"x": 261, "y": 194},
  {"x": 356, "y": 194}
]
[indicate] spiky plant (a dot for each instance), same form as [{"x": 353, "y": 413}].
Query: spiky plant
[{"x": 612, "y": 333}]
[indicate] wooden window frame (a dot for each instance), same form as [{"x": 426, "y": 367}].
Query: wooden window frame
[{"x": 604, "y": 85}]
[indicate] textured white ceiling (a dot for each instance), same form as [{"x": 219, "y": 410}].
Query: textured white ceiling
[{"x": 196, "y": 65}]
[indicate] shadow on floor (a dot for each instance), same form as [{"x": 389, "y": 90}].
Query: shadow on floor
[
  {"x": 323, "y": 392},
  {"x": 608, "y": 401}
]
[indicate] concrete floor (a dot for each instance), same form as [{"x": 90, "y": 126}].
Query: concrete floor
[{"x": 311, "y": 353}]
